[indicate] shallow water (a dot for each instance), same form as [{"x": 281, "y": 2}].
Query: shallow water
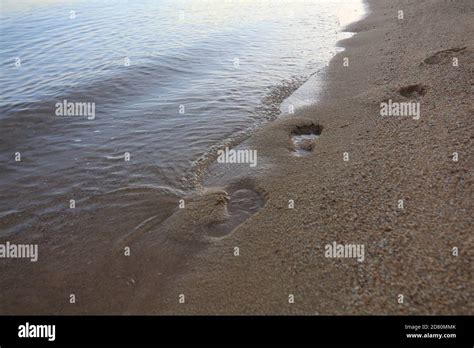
[{"x": 171, "y": 82}]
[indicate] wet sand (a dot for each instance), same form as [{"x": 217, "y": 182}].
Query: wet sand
[{"x": 280, "y": 249}]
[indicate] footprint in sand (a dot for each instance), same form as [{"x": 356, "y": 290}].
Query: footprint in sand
[
  {"x": 242, "y": 204},
  {"x": 303, "y": 138},
  {"x": 443, "y": 57},
  {"x": 413, "y": 91}
]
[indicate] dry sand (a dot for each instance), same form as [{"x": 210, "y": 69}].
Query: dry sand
[{"x": 407, "y": 251}]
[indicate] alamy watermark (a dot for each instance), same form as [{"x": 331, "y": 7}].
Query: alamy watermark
[
  {"x": 28, "y": 330},
  {"x": 13, "y": 251},
  {"x": 391, "y": 108},
  {"x": 336, "y": 250},
  {"x": 67, "y": 108},
  {"x": 237, "y": 156}
]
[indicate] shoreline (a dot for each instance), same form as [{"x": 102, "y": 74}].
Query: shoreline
[
  {"x": 279, "y": 97},
  {"x": 281, "y": 252},
  {"x": 205, "y": 169},
  {"x": 408, "y": 253}
]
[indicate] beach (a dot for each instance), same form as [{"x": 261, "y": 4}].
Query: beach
[
  {"x": 409, "y": 250},
  {"x": 398, "y": 185}
]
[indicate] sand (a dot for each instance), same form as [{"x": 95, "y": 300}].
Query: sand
[
  {"x": 280, "y": 251},
  {"x": 408, "y": 251}
]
